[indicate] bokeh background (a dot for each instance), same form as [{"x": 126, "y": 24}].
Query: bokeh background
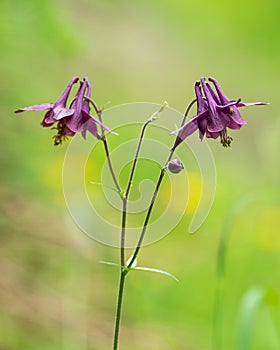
[{"x": 53, "y": 292}]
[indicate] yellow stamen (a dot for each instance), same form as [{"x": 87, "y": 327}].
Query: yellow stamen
[
  {"x": 225, "y": 138},
  {"x": 62, "y": 130}
]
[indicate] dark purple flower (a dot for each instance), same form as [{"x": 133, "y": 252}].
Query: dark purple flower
[
  {"x": 70, "y": 120},
  {"x": 81, "y": 120},
  {"x": 215, "y": 113},
  {"x": 56, "y": 110}
]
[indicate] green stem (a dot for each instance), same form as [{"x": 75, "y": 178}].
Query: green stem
[
  {"x": 122, "y": 248},
  {"x": 186, "y": 113},
  {"x": 119, "y": 309},
  {"x": 105, "y": 143},
  {"x": 124, "y": 268},
  {"x": 110, "y": 163},
  {"x": 126, "y": 194},
  {"x": 136, "y": 157}
]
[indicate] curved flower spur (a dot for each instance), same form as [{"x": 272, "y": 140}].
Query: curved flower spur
[
  {"x": 215, "y": 114},
  {"x": 72, "y": 119}
]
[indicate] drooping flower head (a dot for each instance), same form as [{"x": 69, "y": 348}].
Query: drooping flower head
[
  {"x": 72, "y": 119},
  {"x": 215, "y": 114},
  {"x": 56, "y": 110}
]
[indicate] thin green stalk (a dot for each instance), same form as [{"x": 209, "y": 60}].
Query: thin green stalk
[
  {"x": 126, "y": 194},
  {"x": 136, "y": 157},
  {"x": 119, "y": 309},
  {"x": 124, "y": 271},
  {"x": 122, "y": 248},
  {"x": 105, "y": 143},
  {"x": 186, "y": 114},
  {"x": 124, "y": 268}
]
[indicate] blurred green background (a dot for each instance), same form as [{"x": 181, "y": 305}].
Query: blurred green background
[{"x": 53, "y": 292}]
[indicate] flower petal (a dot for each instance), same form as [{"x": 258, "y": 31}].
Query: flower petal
[
  {"x": 201, "y": 103},
  {"x": 88, "y": 87},
  {"x": 202, "y": 126},
  {"x": 86, "y": 106},
  {"x": 235, "y": 126},
  {"x": 40, "y": 107},
  {"x": 242, "y": 104},
  {"x": 224, "y": 99},
  {"x": 212, "y": 135},
  {"x": 60, "y": 112},
  {"x": 231, "y": 103},
  {"x": 218, "y": 121},
  {"x": 61, "y": 102},
  {"x": 212, "y": 103},
  {"x": 186, "y": 130},
  {"x": 48, "y": 119},
  {"x": 212, "y": 92},
  {"x": 76, "y": 121},
  {"x": 97, "y": 121},
  {"x": 235, "y": 115},
  {"x": 90, "y": 126}
]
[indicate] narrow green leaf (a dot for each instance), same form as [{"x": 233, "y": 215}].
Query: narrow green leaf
[
  {"x": 157, "y": 271},
  {"x": 109, "y": 263},
  {"x": 142, "y": 269}
]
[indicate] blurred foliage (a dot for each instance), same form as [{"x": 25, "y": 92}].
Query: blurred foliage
[{"x": 53, "y": 292}]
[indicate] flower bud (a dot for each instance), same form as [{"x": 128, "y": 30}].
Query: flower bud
[{"x": 175, "y": 166}]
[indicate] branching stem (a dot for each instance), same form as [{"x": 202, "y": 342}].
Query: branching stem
[{"x": 154, "y": 196}]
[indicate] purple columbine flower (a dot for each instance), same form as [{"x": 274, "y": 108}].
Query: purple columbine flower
[
  {"x": 56, "y": 110},
  {"x": 215, "y": 113},
  {"x": 70, "y": 120}
]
